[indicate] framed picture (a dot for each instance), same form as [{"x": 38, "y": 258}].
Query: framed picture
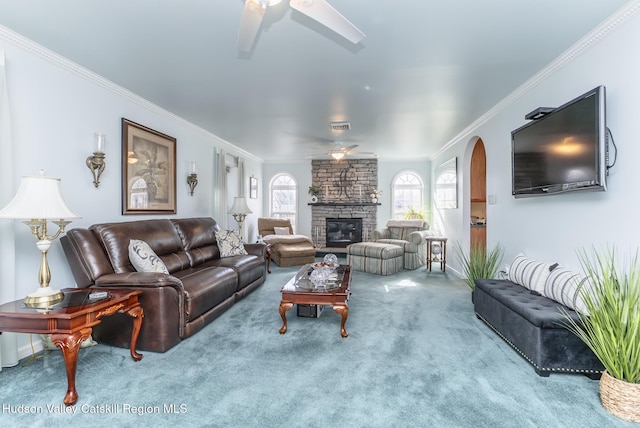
[
  {"x": 446, "y": 185},
  {"x": 253, "y": 187},
  {"x": 148, "y": 170}
]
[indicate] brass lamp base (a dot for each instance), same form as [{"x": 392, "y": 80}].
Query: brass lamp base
[{"x": 44, "y": 297}]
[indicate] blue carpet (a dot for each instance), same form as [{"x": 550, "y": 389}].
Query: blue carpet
[{"x": 416, "y": 355}]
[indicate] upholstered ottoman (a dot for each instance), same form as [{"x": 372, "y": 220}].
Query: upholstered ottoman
[
  {"x": 293, "y": 254},
  {"x": 375, "y": 257}
]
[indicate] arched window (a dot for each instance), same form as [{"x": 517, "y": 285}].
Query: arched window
[
  {"x": 407, "y": 192},
  {"x": 283, "y": 192},
  {"x": 446, "y": 185}
]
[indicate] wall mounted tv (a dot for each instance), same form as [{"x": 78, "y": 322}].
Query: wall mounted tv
[{"x": 564, "y": 150}]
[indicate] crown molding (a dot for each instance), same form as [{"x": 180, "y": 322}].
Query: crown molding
[
  {"x": 607, "y": 26},
  {"x": 86, "y": 74}
]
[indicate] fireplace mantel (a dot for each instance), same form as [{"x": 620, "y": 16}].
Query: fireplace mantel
[{"x": 344, "y": 204}]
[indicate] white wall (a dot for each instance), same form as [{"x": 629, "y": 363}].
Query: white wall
[
  {"x": 552, "y": 228},
  {"x": 56, "y": 107}
]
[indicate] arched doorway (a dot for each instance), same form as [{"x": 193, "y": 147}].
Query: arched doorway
[{"x": 478, "y": 196}]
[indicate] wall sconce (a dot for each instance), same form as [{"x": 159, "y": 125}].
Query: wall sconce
[
  {"x": 192, "y": 179},
  {"x": 96, "y": 162}
]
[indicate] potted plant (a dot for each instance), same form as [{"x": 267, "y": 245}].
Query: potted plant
[
  {"x": 416, "y": 213},
  {"x": 479, "y": 262},
  {"x": 610, "y": 326},
  {"x": 314, "y": 192}
]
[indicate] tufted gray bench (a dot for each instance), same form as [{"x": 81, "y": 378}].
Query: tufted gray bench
[{"x": 533, "y": 325}]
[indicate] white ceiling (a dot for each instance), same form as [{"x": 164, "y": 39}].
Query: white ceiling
[{"x": 425, "y": 71}]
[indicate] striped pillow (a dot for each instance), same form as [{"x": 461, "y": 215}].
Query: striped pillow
[
  {"x": 529, "y": 273},
  {"x": 566, "y": 287}
]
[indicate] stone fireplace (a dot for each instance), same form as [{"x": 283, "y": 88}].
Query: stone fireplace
[{"x": 345, "y": 189}]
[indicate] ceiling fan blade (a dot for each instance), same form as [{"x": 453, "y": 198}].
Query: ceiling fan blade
[
  {"x": 326, "y": 15},
  {"x": 351, "y": 147},
  {"x": 252, "y": 15}
]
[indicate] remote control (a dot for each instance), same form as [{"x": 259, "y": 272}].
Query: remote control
[{"x": 98, "y": 295}]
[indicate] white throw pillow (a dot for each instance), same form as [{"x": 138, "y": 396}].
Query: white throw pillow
[
  {"x": 144, "y": 259},
  {"x": 281, "y": 230},
  {"x": 230, "y": 244},
  {"x": 529, "y": 273},
  {"x": 567, "y": 287}
]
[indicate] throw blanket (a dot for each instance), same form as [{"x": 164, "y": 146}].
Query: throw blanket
[
  {"x": 286, "y": 239},
  {"x": 406, "y": 223}
]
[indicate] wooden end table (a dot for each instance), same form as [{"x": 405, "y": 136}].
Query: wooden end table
[
  {"x": 70, "y": 322},
  {"x": 443, "y": 254}
]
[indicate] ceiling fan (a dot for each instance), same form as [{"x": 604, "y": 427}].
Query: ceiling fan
[
  {"x": 338, "y": 153},
  {"x": 319, "y": 10}
]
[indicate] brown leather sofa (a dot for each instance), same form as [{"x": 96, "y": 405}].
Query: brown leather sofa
[{"x": 199, "y": 287}]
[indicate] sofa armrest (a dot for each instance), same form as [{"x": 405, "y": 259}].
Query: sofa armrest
[
  {"x": 139, "y": 280},
  {"x": 257, "y": 249},
  {"x": 419, "y": 236},
  {"x": 381, "y": 234}
]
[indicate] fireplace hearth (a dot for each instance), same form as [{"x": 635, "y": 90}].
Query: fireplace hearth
[{"x": 343, "y": 231}]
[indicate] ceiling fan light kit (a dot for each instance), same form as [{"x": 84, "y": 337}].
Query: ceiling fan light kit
[
  {"x": 337, "y": 155},
  {"x": 318, "y": 10}
]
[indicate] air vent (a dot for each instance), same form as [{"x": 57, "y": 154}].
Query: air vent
[{"x": 340, "y": 126}]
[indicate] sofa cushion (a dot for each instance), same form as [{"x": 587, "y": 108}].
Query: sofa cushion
[
  {"x": 532, "y": 306},
  {"x": 160, "y": 234},
  {"x": 230, "y": 244},
  {"x": 144, "y": 259},
  {"x": 529, "y": 273},
  {"x": 198, "y": 237},
  {"x": 566, "y": 287}
]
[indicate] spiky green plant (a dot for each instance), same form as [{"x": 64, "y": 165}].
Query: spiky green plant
[
  {"x": 479, "y": 262},
  {"x": 611, "y": 324}
]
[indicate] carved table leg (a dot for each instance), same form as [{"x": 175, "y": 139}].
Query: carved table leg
[
  {"x": 344, "y": 311},
  {"x": 137, "y": 314},
  {"x": 269, "y": 259},
  {"x": 69, "y": 344},
  {"x": 284, "y": 307}
]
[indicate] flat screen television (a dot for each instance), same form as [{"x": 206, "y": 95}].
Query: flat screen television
[{"x": 565, "y": 150}]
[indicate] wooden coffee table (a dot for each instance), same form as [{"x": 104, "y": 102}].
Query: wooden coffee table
[
  {"x": 70, "y": 321},
  {"x": 297, "y": 292}
]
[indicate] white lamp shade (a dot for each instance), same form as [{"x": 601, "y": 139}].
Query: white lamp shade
[
  {"x": 240, "y": 206},
  {"x": 38, "y": 198}
]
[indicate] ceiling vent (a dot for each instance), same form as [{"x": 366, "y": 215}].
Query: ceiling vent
[{"x": 340, "y": 126}]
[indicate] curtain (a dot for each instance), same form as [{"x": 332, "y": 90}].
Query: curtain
[
  {"x": 241, "y": 179},
  {"x": 220, "y": 189},
  {"x": 8, "y": 341}
]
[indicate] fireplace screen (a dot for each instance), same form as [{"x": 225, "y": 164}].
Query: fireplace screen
[{"x": 343, "y": 231}]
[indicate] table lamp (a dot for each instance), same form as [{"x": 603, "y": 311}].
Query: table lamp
[
  {"x": 239, "y": 210},
  {"x": 39, "y": 199}
]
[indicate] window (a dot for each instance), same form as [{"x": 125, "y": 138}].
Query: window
[
  {"x": 407, "y": 194},
  {"x": 446, "y": 185},
  {"x": 283, "y": 196}
]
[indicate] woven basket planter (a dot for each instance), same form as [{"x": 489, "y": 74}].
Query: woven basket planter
[{"x": 620, "y": 398}]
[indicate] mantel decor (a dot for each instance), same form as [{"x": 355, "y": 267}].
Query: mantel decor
[{"x": 148, "y": 170}]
